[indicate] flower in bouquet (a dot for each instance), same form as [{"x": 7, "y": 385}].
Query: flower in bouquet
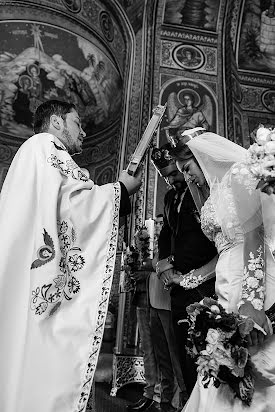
[
  {"x": 142, "y": 243},
  {"x": 218, "y": 341},
  {"x": 261, "y": 157}
]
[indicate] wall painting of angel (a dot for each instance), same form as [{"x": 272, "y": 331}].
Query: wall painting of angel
[{"x": 189, "y": 104}]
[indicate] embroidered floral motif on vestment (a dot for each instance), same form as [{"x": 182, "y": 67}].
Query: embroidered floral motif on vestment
[
  {"x": 64, "y": 284},
  {"x": 68, "y": 168},
  {"x": 45, "y": 253}
]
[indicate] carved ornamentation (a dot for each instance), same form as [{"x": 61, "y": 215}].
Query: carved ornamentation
[
  {"x": 106, "y": 25},
  {"x": 211, "y": 59},
  {"x": 252, "y": 98},
  {"x": 127, "y": 369},
  {"x": 192, "y": 37},
  {"x": 73, "y": 5},
  {"x": 166, "y": 53},
  {"x": 235, "y": 20},
  {"x": 6, "y": 153}
]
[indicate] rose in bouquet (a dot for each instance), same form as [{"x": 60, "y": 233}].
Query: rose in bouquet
[
  {"x": 218, "y": 342},
  {"x": 261, "y": 159}
]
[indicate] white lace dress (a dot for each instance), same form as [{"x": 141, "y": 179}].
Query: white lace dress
[{"x": 230, "y": 275}]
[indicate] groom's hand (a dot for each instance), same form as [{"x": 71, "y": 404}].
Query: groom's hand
[{"x": 255, "y": 337}]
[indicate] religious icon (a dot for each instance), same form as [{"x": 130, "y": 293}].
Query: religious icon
[
  {"x": 25, "y": 83},
  {"x": 187, "y": 110},
  {"x": 189, "y": 57}
]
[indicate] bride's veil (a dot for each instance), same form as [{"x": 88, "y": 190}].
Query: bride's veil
[{"x": 216, "y": 155}]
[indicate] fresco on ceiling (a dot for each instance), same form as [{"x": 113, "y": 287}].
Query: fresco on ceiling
[
  {"x": 189, "y": 104},
  {"x": 40, "y": 62},
  {"x": 202, "y": 14},
  {"x": 189, "y": 57},
  {"x": 257, "y": 37},
  {"x": 73, "y": 5}
]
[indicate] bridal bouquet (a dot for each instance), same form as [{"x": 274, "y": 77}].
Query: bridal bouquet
[
  {"x": 217, "y": 340},
  {"x": 261, "y": 157}
]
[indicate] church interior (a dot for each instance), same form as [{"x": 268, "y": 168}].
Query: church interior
[{"x": 211, "y": 62}]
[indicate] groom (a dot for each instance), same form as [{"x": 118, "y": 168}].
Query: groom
[{"x": 182, "y": 247}]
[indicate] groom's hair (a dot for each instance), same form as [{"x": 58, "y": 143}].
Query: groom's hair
[{"x": 42, "y": 115}]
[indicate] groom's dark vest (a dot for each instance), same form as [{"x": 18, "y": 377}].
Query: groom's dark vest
[{"x": 182, "y": 236}]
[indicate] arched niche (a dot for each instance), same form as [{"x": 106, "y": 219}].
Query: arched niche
[{"x": 79, "y": 51}]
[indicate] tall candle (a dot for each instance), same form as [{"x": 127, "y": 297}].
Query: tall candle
[{"x": 149, "y": 224}]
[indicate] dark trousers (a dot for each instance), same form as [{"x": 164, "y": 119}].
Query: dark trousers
[{"x": 166, "y": 353}]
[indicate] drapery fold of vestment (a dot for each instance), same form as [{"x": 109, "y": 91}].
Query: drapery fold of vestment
[{"x": 58, "y": 244}]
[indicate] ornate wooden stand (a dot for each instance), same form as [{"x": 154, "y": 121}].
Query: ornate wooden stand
[{"x": 127, "y": 362}]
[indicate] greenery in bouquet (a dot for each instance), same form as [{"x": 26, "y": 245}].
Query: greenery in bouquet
[
  {"x": 218, "y": 342},
  {"x": 261, "y": 158}
]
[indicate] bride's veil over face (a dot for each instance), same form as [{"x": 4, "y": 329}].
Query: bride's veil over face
[{"x": 215, "y": 155}]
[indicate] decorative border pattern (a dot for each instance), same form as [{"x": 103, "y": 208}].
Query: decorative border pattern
[
  {"x": 188, "y": 36},
  {"x": 102, "y": 308},
  {"x": 234, "y": 21}
]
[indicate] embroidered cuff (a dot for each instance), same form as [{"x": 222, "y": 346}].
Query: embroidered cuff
[
  {"x": 192, "y": 281},
  {"x": 253, "y": 287}
]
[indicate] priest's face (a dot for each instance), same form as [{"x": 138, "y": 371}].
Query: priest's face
[{"x": 72, "y": 133}]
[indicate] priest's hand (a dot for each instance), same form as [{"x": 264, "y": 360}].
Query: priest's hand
[{"x": 132, "y": 183}]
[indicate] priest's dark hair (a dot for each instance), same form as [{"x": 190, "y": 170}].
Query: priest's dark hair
[{"x": 43, "y": 113}]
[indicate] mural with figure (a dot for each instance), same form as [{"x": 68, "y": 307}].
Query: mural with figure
[
  {"x": 189, "y": 57},
  {"x": 40, "y": 62},
  {"x": 189, "y": 104},
  {"x": 257, "y": 37},
  {"x": 201, "y": 14}
]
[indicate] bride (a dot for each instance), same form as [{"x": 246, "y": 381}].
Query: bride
[{"x": 235, "y": 217}]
